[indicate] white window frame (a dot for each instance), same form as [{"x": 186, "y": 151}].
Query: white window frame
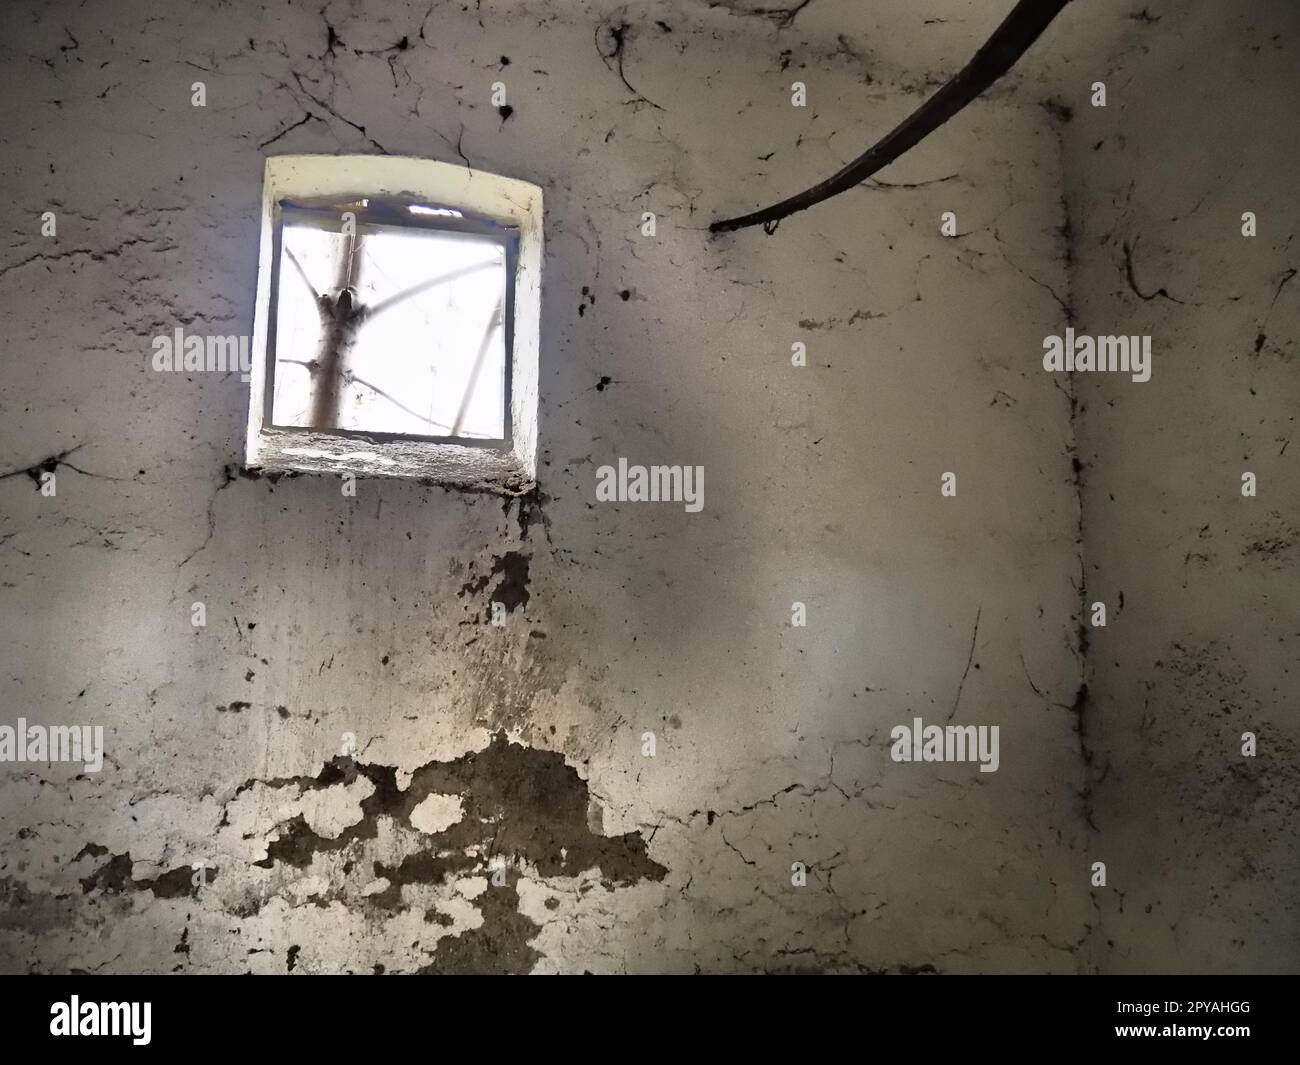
[{"x": 511, "y": 466}]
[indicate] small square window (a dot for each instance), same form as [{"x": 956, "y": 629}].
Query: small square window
[{"x": 397, "y": 321}]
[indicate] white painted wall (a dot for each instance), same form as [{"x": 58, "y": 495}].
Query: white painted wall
[{"x": 369, "y": 616}]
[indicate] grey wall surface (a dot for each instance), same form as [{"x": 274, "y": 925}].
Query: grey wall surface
[
  {"x": 1201, "y": 843},
  {"x": 480, "y": 748}
]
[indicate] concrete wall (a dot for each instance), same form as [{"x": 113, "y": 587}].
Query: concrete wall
[
  {"x": 1200, "y": 842},
  {"x": 330, "y": 618}
]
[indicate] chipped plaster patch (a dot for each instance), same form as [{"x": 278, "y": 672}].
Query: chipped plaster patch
[
  {"x": 437, "y": 812},
  {"x": 329, "y": 811}
]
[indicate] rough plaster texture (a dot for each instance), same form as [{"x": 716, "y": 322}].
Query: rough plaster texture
[
  {"x": 1205, "y": 647},
  {"x": 514, "y": 754}
]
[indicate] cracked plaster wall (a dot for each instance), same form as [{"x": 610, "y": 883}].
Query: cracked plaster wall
[
  {"x": 477, "y": 745},
  {"x": 1201, "y": 843}
]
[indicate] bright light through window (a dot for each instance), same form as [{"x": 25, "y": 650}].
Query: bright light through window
[
  {"x": 397, "y": 330},
  {"x": 389, "y": 329}
]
